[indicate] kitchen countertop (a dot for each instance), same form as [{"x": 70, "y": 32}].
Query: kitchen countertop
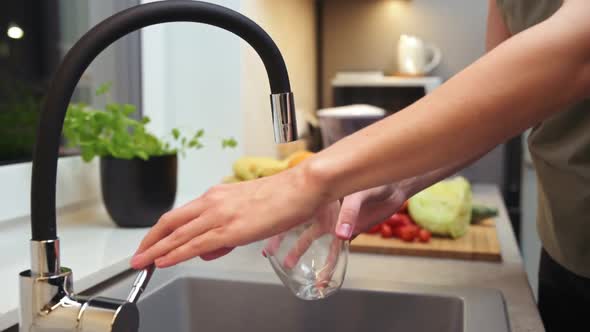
[{"x": 107, "y": 250}]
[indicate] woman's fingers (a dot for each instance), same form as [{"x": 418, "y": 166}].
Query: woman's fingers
[
  {"x": 177, "y": 238},
  {"x": 323, "y": 223},
  {"x": 325, "y": 275},
  {"x": 363, "y": 209},
  {"x": 205, "y": 243},
  {"x": 349, "y": 213},
  {"x": 216, "y": 254},
  {"x": 169, "y": 222},
  {"x": 273, "y": 244},
  {"x": 303, "y": 243}
]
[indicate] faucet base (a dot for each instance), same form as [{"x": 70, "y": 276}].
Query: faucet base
[
  {"x": 48, "y": 304},
  {"x": 44, "y": 296}
]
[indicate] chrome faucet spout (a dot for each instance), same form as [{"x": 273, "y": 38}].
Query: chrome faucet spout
[
  {"x": 283, "y": 117},
  {"x": 47, "y": 300}
]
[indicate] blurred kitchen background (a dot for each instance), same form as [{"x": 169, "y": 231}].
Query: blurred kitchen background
[{"x": 338, "y": 52}]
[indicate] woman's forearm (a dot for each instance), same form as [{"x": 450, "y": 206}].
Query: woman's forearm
[
  {"x": 518, "y": 84},
  {"x": 412, "y": 186}
]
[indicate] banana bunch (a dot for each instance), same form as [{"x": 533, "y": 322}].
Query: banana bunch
[{"x": 249, "y": 168}]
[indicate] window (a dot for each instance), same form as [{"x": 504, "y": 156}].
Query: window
[
  {"x": 34, "y": 36},
  {"x": 29, "y": 40}
]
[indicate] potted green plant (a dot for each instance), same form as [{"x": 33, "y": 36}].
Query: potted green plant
[{"x": 138, "y": 170}]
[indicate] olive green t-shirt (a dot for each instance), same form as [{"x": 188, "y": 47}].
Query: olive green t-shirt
[{"x": 560, "y": 149}]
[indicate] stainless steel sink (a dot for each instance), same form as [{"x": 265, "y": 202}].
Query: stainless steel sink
[
  {"x": 192, "y": 304},
  {"x": 182, "y": 300}
]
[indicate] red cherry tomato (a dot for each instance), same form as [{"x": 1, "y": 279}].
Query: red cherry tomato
[
  {"x": 386, "y": 231},
  {"x": 424, "y": 235},
  {"x": 408, "y": 233},
  {"x": 375, "y": 229},
  {"x": 399, "y": 219},
  {"x": 407, "y": 220},
  {"x": 396, "y": 231},
  {"x": 395, "y": 220}
]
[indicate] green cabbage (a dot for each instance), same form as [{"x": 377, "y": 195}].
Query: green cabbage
[{"x": 444, "y": 208}]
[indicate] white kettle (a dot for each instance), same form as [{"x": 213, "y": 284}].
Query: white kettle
[{"x": 415, "y": 57}]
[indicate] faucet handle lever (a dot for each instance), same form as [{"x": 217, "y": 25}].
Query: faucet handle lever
[{"x": 140, "y": 283}]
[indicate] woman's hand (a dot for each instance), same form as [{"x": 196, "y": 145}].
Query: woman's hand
[
  {"x": 231, "y": 215},
  {"x": 361, "y": 210},
  {"x": 358, "y": 213}
]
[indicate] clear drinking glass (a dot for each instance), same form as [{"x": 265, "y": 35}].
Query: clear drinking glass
[{"x": 309, "y": 259}]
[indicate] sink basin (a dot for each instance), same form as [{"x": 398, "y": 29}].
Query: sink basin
[
  {"x": 191, "y": 304},
  {"x": 185, "y": 300}
]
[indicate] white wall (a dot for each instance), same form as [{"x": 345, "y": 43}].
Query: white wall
[
  {"x": 76, "y": 182},
  {"x": 191, "y": 75}
]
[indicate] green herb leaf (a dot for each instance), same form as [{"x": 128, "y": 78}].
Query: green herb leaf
[
  {"x": 129, "y": 109},
  {"x": 104, "y": 88},
  {"x": 229, "y": 143},
  {"x": 175, "y": 133},
  {"x": 143, "y": 155},
  {"x": 87, "y": 154}
]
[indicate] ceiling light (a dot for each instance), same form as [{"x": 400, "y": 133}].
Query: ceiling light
[{"x": 15, "y": 32}]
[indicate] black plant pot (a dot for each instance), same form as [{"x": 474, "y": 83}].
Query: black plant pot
[{"x": 137, "y": 192}]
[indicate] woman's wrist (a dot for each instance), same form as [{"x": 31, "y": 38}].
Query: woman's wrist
[
  {"x": 407, "y": 188},
  {"x": 320, "y": 178},
  {"x": 326, "y": 179}
]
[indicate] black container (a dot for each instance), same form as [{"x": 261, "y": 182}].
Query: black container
[{"x": 137, "y": 192}]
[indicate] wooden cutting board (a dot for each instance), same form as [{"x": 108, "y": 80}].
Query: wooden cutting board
[{"x": 479, "y": 243}]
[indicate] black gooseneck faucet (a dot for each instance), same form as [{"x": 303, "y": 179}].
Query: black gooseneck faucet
[{"x": 47, "y": 299}]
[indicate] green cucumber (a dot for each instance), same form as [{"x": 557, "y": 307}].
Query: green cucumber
[{"x": 481, "y": 212}]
